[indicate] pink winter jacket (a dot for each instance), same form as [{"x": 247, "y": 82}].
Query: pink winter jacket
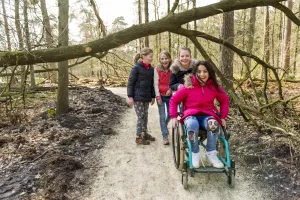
[{"x": 199, "y": 100}]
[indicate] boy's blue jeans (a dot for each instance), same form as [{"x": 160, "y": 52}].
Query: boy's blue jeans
[
  {"x": 192, "y": 124},
  {"x": 164, "y": 117}
]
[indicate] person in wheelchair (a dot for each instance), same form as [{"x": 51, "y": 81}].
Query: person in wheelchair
[{"x": 199, "y": 111}]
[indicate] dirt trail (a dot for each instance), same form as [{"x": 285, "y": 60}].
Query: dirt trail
[{"x": 148, "y": 172}]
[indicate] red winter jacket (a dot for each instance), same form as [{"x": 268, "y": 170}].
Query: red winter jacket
[
  {"x": 161, "y": 81},
  {"x": 199, "y": 100}
]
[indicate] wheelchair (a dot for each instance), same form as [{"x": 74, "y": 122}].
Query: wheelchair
[{"x": 182, "y": 155}]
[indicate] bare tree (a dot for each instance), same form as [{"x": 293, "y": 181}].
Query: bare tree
[
  {"x": 296, "y": 45},
  {"x": 169, "y": 33},
  {"x": 287, "y": 41},
  {"x": 49, "y": 37},
  {"x": 28, "y": 44},
  {"x": 19, "y": 33},
  {"x": 195, "y": 28},
  {"x": 251, "y": 32},
  {"x": 6, "y": 26},
  {"x": 63, "y": 74},
  {"x": 140, "y": 21},
  {"x": 146, "y": 10},
  {"x": 227, "y": 34}
]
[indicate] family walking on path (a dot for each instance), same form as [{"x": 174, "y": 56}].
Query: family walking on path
[{"x": 194, "y": 87}]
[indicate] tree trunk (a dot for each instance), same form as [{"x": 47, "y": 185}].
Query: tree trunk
[
  {"x": 187, "y": 26},
  {"x": 195, "y": 28},
  {"x": 28, "y": 43},
  {"x": 287, "y": 41},
  {"x": 114, "y": 40},
  {"x": 19, "y": 33},
  {"x": 251, "y": 32},
  {"x": 169, "y": 33},
  {"x": 266, "y": 52},
  {"x": 146, "y": 21},
  {"x": 49, "y": 37},
  {"x": 296, "y": 45},
  {"x": 63, "y": 75},
  {"x": 227, "y": 34},
  {"x": 140, "y": 21},
  {"x": 6, "y": 26},
  {"x": 273, "y": 40},
  {"x": 279, "y": 50}
]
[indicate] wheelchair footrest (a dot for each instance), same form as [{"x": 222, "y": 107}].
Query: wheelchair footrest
[{"x": 209, "y": 169}]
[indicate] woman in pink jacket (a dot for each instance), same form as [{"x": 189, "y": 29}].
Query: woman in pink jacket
[{"x": 198, "y": 94}]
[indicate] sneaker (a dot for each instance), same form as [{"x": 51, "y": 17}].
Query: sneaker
[
  {"x": 149, "y": 137},
  {"x": 166, "y": 140},
  {"x": 212, "y": 158},
  {"x": 141, "y": 140},
  {"x": 196, "y": 159}
]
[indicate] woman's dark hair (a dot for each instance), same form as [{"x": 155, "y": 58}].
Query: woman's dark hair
[{"x": 211, "y": 72}]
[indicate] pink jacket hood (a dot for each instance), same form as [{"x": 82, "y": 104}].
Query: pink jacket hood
[{"x": 199, "y": 100}]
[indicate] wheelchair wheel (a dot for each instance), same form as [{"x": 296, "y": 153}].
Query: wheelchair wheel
[
  {"x": 231, "y": 178},
  {"x": 184, "y": 180},
  {"x": 176, "y": 146}
]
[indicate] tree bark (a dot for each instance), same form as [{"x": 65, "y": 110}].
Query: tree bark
[
  {"x": 169, "y": 33},
  {"x": 49, "y": 37},
  {"x": 266, "y": 52},
  {"x": 140, "y": 22},
  {"x": 19, "y": 33},
  {"x": 195, "y": 28},
  {"x": 28, "y": 44},
  {"x": 6, "y": 26},
  {"x": 169, "y": 23},
  {"x": 63, "y": 75},
  {"x": 146, "y": 21},
  {"x": 251, "y": 32},
  {"x": 287, "y": 41},
  {"x": 296, "y": 45},
  {"x": 227, "y": 34}
]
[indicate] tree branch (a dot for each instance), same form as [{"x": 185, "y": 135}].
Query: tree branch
[
  {"x": 287, "y": 12},
  {"x": 100, "y": 21},
  {"x": 168, "y": 23},
  {"x": 233, "y": 48},
  {"x": 174, "y": 6}
]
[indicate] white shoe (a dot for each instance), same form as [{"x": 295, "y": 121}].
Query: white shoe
[
  {"x": 196, "y": 159},
  {"x": 212, "y": 158}
]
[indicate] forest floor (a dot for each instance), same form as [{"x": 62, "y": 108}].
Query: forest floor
[{"x": 90, "y": 153}]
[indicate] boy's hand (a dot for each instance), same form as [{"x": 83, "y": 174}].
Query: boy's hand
[{"x": 130, "y": 102}]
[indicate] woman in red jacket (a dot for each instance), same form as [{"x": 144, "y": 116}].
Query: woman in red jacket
[{"x": 198, "y": 94}]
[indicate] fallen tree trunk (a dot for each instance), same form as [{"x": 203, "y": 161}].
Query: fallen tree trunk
[{"x": 169, "y": 23}]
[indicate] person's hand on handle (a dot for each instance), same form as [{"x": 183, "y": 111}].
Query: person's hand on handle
[
  {"x": 174, "y": 122},
  {"x": 223, "y": 123},
  {"x": 130, "y": 102},
  {"x": 152, "y": 101}
]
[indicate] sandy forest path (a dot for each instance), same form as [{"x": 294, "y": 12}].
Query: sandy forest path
[{"x": 147, "y": 172}]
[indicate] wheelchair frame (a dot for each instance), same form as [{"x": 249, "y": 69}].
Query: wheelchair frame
[{"x": 182, "y": 155}]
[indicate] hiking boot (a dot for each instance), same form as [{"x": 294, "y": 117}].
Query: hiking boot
[
  {"x": 166, "y": 140},
  {"x": 149, "y": 137},
  {"x": 212, "y": 158},
  {"x": 141, "y": 140},
  {"x": 196, "y": 159}
]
